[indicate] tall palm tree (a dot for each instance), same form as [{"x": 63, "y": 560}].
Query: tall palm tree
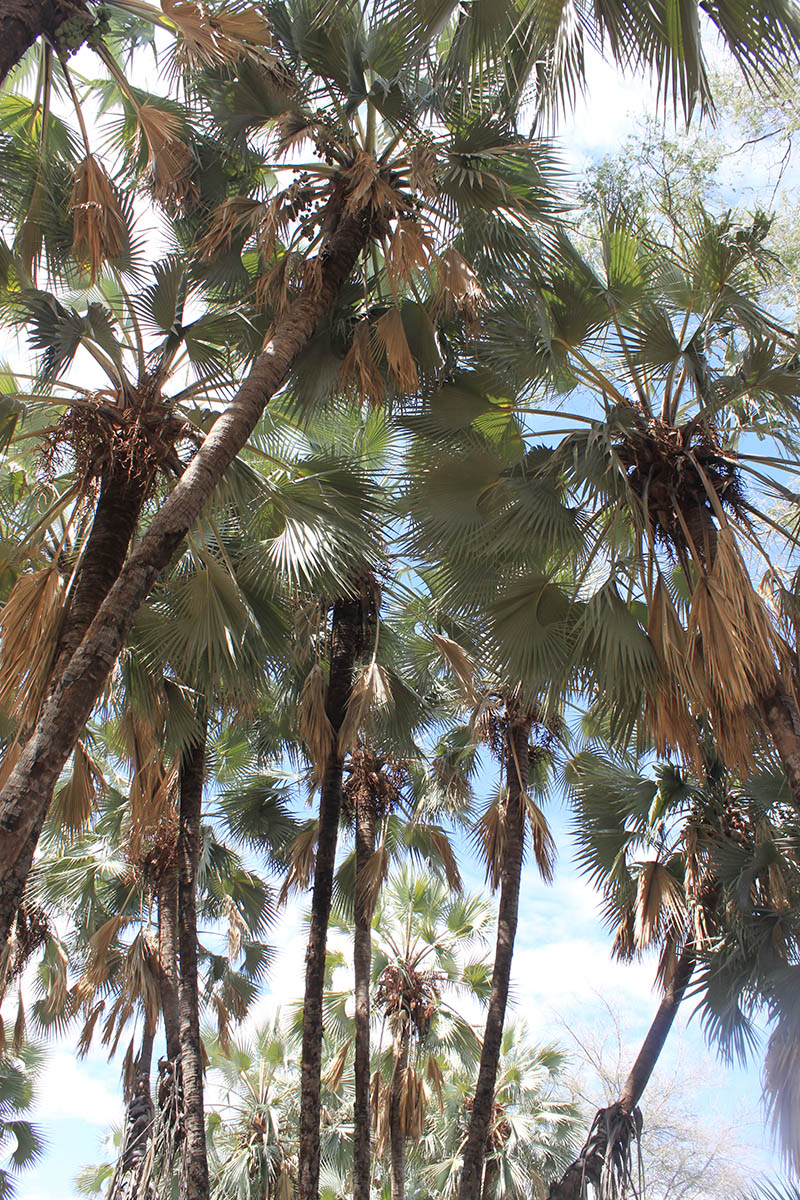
[
  {"x": 644, "y": 333},
  {"x": 383, "y": 179}
]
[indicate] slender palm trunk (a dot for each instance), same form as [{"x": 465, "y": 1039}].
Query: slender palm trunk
[
  {"x": 397, "y": 1132},
  {"x": 615, "y": 1121},
  {"x": 22, "y": 22},
  {"x": 113, "y": 526},
  {"x": 195, "y": 1160},
  {"x": 26, "y": 795},
  {"x": 517, "y": 736},
  {"x": 168, "y": 958},
  {"x": 346, "y": 639},
  {"x": 140, "y": 1109},
  {"x": 362, "y": 962}
]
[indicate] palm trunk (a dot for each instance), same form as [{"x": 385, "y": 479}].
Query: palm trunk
[
  {"x": 168, "y": 959},
  {"x": 114, "y": 524},
  {"x": 511, "y": 870},
  {"x": 195, "y": 1160},
  {"x": 22, "y": 22},
  {"x": 346, "y": 638},
  {"x": 140, "y": 1109},
  {"x": 617, "y": 1120},
  {"x": 362, "y": 962},
  {"x": 26, "y": 795},
  {"x": 397, "y": 1133}
]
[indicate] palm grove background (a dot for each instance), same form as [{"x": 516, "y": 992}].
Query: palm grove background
[{"x": 356, "y": 453}]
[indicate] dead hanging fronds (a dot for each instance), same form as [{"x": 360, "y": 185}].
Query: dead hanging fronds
[
  {"x": 422, "y": 165},
  {"x": 100, "y": 231},
  {"x": 660, "y": 904},
  {"x": 409, "y": 250},
  {"x": 390, "y": 337},
  {"x": 237, "y": 928},
  {"x": 99, "y": 962},
  {"x": 457, "y": 289},
  {"x": 359, "y": 376},
  {"x": 542, "y": 840},
  {"x": 490, "y": 834},
  {"x": 782, "y": 1089},
  {"x": 302, "y": 853},
  {"x": 312, "y": 718},
  {"x": 367, "y": 189},
  {"x": 169, "y": 158},
  {"x": 212, "y": 37},
  {"x": 333, "y": 1074},
  {"x": 370, "y": 690},
  {"x": 411, "y": 1112},
  {"x": 461, "y": 664},
  {"x": 370, "y": 880},
  {"x": 76, "y": 800},
  {"x": 29, "y": 626}
]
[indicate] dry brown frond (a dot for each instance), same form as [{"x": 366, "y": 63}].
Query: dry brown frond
[
  {"x": 390, "y": 337},
  {"x": 457, "y": 289},
  {"x": 99, "y": 230},
  {"x": 312, "y": 719},
  {"x": 19, "y": 1024},
  {"x": 659, "y": 904},
  {"x": 74, "y": 802},
  {"x": 413, "y": 1104},
  {"x": 782, "y": 1089},
  {"x": 544, "y": 846},
  {"x": 422, "y": 170},
  {"x": 209, "y": 38},
  {"x": 99, "y": 948},
  {"x": 237, "y": 928},
  {"x": 333, "y": 1073},
  {"x": 370, "y": 690},
  {"x": 367, "y": 189},
  {"x": 302, "y": 852},
  {"x": 380, "y": 1103},
  {"x": 444, "y": 852},
  {"x": 370, "y": 880},
  {"x": 236, "y": 216},
  {"x": 87, "y": 1031},
  {"x": 169, "y": 157},
  {"x": 410, "y": 248},
  {"x": 435, "y": 1075},
  {"x": 359, "y": 375},
  {"x": 624, "y": 945},
  {"x": 461, "y": 664},
  {"x": 490, "y": 833},
  {"x": 29, "y": 627}
]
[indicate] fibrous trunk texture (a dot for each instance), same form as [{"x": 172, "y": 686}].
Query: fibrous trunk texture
[
  {"x": 518, "y": 733},
  {"x": 168, "y": 958},
  {"x": 113, "y": 526},
  {"x": 397, "y": 1131},
  {"x": 26, "y": 795},
  {"x": 346, "y": 638},
  {"x": 362, "y": 962},
  {"x": 195, "y": 1160},
  {"x": 621, "y": 1120},
  {"x": 140, "y": 1107},
  {"x": 22, "y": 22}
]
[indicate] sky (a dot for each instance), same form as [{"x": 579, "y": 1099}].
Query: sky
[{"x": 563, "y": 972}]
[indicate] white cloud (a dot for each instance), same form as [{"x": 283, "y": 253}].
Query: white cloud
[{"x": 71, "y": 1090}]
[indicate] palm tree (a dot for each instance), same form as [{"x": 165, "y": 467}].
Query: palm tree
[
  {"x": 373, "y": 189},
  {"x": 644, "y": 333},
  {"x": 669, "y": 853},
  {"x": 422, "y": 936},
  {"x": 531, "y": 1131}
]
